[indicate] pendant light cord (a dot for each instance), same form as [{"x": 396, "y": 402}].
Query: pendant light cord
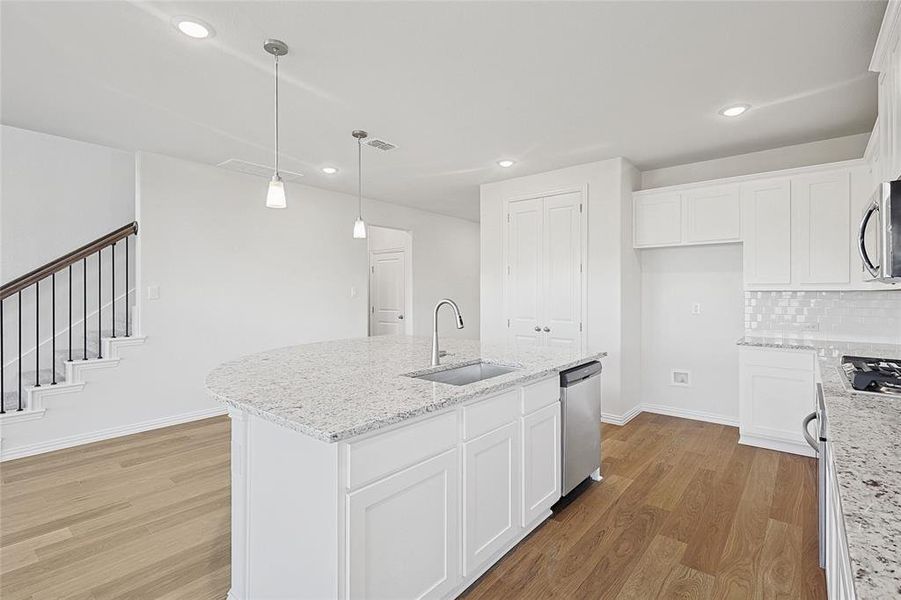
[
  {"x": 276, "y": 115},
  {"x": 360, "y": 178}
]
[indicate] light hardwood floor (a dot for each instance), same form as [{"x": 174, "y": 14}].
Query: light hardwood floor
[{"x": 683, "y": 512}]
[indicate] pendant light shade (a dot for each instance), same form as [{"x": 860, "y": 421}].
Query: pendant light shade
[
  {"x": 275, "y": 196},
  {"x": 359, "y": 229},
  {"x": 359, "y": 224}
]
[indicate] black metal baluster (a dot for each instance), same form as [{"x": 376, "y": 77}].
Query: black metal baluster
[
  {"x": 126, "y": 286},
  {"x": 84, "y": 321},
  {"x": 53, "y": 329},
  {"x": 70, "y": 313},
  {"x": 19, "y": 295},
  {"x": 2, "y": 365},
  {"x": 37, "y": 334},
  {"x": 99, "y": 304},
  {"x": 113, "y": 288}
]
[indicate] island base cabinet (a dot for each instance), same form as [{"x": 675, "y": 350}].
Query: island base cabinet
[
  {"x": 491, "y": 494},
  {"x": 403, "y": 539},
  {"x": 541, "y": 462}
]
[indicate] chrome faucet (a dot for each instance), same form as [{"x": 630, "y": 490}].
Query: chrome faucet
[{"x": 436, "y": 356}]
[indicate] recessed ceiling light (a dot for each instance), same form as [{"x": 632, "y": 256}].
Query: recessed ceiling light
[
  {"x": 329, "y": 170},
  {"x": 506, "y": 163},
  {"x": 734, "y": 110},
  {"x": 192, "y": 27}
]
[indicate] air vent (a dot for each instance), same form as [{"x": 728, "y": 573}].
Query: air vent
[
  {"x": 381, "y": 144},
  {"x": 249, "y": 168}
]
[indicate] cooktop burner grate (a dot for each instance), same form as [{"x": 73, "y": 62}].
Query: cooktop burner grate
[{"x": 879, "y": 375}]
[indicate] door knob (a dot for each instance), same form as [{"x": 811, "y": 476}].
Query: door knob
[
  {"x": 537, "y": 328},
  {"x": 547, "y": 329},
  {"x": 401, "y": 317}
]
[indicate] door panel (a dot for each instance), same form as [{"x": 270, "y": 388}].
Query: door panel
[
  {"x": 491, "y": 494},
  {"x": 562, "y": 267},
  {"x": 712, "y": 215},
  {"x": 766, "y": 224},
  {"x": 403, "y": 540},
  {"x": 541, "y": 461},
  {"x": 524, "y": 254},
  {"x": 821, "y": 217},
  {"x": 388, "y": 293}
]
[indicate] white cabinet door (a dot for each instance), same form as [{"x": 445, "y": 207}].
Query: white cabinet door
[
  {"x": 711, "y": 215},
  {"x": 766, "y": 231},
  {"x": 403, "y": 539},
  {"x": 387, "y": 283},
  {"x": 541, "y": 462},
  {"x": 524, "y": 288},
  {"x": 658, "y": 219},
  {"x": 561, "y": 322},
  {"x": 777, "y": 389},
  {"x": 821, "y": 221},
  {"x": 491, "y": 484}
]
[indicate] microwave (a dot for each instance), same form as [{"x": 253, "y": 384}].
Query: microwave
[{"x": 879, "y": 238}]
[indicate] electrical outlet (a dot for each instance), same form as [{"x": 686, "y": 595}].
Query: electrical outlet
[
  {"x": 680, "y": 377},
  {"x": 809, "y": 326},
  {"x": 696, "y": 308}
]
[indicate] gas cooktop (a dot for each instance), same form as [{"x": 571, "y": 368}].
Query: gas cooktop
[{"x": 876, "y": 375}]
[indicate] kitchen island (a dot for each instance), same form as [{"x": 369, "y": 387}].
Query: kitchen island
[{"x": 353, "y": 478}]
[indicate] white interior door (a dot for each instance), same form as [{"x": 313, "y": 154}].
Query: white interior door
[
  {"x": 387, "y": 293},
  {"x": 561, "y": 321},
  {"x": 524, "y": 277}
]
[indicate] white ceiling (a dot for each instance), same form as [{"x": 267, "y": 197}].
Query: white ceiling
[{"x": 456, "y": 86}]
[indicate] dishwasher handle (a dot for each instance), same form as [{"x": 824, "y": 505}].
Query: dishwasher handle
[
  {"x": 578, "y": 374},
  {"x": 810, "y": 439}
]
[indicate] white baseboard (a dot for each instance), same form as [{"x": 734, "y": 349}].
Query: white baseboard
[
  {"x": 695, "y": 415},
  {"x": 620, "y": 419},
  {"x": 105, "y": 434},
  {"x": 779, "y": 445}
]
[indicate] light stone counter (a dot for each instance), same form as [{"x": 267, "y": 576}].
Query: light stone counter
[
  {"x": 340, "y": 389},
  {"x": 865, "y": 438}
]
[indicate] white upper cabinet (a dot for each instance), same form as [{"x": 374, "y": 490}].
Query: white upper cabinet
[
  {"x": 766, "y": 230},
  {"x": 658, "y": 220},
  {"x": 887, "y": 62},
  {"x": 711, "y": 215},
  {"x": 821, "y": 220}
]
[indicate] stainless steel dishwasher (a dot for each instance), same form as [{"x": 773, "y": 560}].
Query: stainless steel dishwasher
[{"x": 580, "y": 400}]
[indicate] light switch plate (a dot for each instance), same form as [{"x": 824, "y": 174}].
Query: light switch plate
[{"x": 153, "y": 292}]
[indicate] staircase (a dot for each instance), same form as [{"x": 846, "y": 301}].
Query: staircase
[{"x": 78, "y": 314}]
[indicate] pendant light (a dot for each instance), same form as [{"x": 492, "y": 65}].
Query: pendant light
[
  {"x": 359, "y": 224},
  {"x": 275, "y": 196}
]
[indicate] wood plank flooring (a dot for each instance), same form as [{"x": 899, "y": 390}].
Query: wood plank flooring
[{"x": 683, "y": 512}]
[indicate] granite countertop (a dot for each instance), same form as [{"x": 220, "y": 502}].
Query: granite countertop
[
  {"x": 340, "y": 389},
  {"x": 865, "y": 442}
]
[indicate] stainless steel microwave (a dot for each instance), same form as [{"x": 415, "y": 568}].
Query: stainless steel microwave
[{"x": 879, "y": 238}]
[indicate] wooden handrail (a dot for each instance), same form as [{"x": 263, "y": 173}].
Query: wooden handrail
[{"x": 54, "y": 266}]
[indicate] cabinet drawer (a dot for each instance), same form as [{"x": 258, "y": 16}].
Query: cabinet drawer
[
  {"x": 541, "y": 394},
  {"x": 375, "y": 457},
  {"x": 779, "y": 359},
  {"x": 487, "y": 415}
]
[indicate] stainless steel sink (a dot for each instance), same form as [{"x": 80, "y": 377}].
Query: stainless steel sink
[{"x": 465, "y": 374}]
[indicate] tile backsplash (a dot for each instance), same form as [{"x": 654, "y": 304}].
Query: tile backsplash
[{"x": 871, "y": 316}]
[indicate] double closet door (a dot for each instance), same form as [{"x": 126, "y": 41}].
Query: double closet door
[{"x": 543, "y": 283}]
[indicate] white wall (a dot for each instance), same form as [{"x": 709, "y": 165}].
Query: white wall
[
  {"x": 672, "y": 280},
  {"x": 612, "y": 267},
  {"x": 787, "y": 157},
  {"x": 57, "y": 194},
  {"x": 235, "y": 278}
]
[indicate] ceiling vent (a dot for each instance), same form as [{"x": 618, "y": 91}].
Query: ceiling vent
[
  {"x": 381, "y": 144},
  {"x": 249, "y": 168}
]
